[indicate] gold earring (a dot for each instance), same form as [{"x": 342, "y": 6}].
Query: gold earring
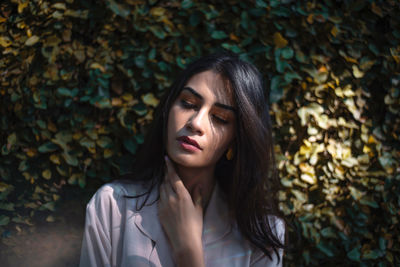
[{"x": 229, "y": 154}]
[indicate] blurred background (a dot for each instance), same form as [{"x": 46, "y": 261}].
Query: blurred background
[{"x": 79, "y": 81}]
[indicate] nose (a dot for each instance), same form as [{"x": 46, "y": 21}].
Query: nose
[{"x": 197, "y": 122}]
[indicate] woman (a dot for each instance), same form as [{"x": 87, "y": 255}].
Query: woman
[{"x": 204, "y": 187}]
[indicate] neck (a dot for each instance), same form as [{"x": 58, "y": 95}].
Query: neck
[{"x": 193, "y": 177}]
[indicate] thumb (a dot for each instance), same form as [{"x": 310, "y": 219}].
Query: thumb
[{"x": 198, "y": 198}]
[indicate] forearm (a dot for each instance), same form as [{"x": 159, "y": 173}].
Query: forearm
[{"x": 190, "y": 256}]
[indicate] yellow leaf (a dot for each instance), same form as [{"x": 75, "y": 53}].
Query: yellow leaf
[
  {"x": 127, "y": 97},
  {"x": 32, "y": 40},
  {"x": 349, "y": 162},
  {"x": 350, "y": 59},
  {"x": 60, "y": 6},
  {"x": 234, "y": 37},
  {"x": 12, "y": 139},
  {"x": 5, "y": 41},
  {"x": 304, "y": 150},
  {"x": 31, "y": 152},
  {"x": 310, "y": 19},
  {"x": 372, "y": 140},
  {"x": 279, "y": 40},
  {"x": 107, "y": 153},
  {"x": 39, "y": 190},
  {"x": 4, "y": 186},
  {"x": 26, "y": 175},
  {"x": 150, "y": 100},
  {"x": 96, "y": 65},
  {"x": 334, "y": 31},
  {"x": 157, "y": 11},
  {"x": 2, "y": 19},
  {"x": 55, "y": 159},
  {"x": 357, "y": 73},
  {"x": 363, "y": 159},
  {"x": 77, "y": 136},
  {"x": 22, "y": 6},
  {"x": 56, "y": 197},
  {"x": 50, "y": 218},
  {"x": 309, "y": 178},
  {"x": 87, "y": 161},
  {"x": 116, "y": 102},
  {"x": 57, "y": 14},
  {"x": 376, "y": 9},
  {"x": 46, "y": 174},
  {"x": 52, "y": 127}
]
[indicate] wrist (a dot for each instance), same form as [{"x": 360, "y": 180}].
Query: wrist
[{"x": 190, "y": 254}]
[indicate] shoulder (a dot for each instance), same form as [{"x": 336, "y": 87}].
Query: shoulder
[
  {"x": 278, "y": 227},
  {"x": 114, "y": 193},
  {"x": 258, "y": 258}
]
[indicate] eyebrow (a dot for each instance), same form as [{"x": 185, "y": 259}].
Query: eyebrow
[{"x": 199, "y": 96}]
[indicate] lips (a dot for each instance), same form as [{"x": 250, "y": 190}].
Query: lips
[{"x": 190, "y": 141}]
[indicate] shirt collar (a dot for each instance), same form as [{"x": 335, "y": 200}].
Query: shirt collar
[{"x": 216, "y": 222}]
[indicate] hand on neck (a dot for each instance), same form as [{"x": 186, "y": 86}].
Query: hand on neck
[{"x": 193, "y": 177}]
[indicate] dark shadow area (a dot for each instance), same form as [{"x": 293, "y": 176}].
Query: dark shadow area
[{"x": 55, "y": 243}]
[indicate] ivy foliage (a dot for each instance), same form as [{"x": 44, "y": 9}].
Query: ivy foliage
[{"x": 80, "y": 81}]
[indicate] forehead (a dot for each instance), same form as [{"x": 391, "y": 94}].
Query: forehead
[{"x": 212, "y": 86}]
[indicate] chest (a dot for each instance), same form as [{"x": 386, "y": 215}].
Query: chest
[{"x": 147, "y": 245}]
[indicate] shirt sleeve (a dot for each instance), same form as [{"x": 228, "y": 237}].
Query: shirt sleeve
[
  {"x": 259, "y": 259},
  {"x": 96, "y": 245}
]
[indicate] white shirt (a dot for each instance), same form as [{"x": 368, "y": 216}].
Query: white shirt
[{"x": 117, "y": 235}]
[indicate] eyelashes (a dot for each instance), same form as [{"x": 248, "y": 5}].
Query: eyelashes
[{"x": 187, "y": 105}]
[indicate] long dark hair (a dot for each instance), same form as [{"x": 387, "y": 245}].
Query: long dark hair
[{"x": 249, "y": 179}]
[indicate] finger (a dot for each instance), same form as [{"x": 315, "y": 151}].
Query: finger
[
  {"x": 172, "y": 176},
  {"x": 169, "y": 190}
]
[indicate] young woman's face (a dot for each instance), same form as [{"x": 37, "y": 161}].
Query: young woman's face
[{"x": 201, "y": 122}]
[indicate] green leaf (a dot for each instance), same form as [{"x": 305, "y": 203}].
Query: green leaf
[
  {"x": 187, "y": 4},
  {"x": 325, "y": 248},
  {"x": 369, "y": 200},
  {"x": 328, "y": 232},
  {"x": 66, "y": 92},
  {"x": 218, "y": 35},
  {"x": 261, "y": 4},
  {"x": 47, "y": 147},
  {"x": 70, "y": 159},
  {"x": 7, "y": 206},
  {"x": 86, "y": 142},
  {"x": 354, "y": 254},
  {"x": 140, "y": 61},
  {"x": 276, "y": 92},
  {"x": 139, "y": 138},
  {"x": 140, "y": 109},
  {"x": 82, "y": 181},
  {"x": 287, "y": 52},
  {"x": 104, "y": 142},
  {"x": 4, "y": 220},
  {"x": 382, "y": 243},
  {"x": 130, "y": 145},
  {"x": 118, "y": 9},
  {"x": 194, "y": 19},
  {"x": 49, "y": 206},
  {"x": 157, "y": 31},
  {"x": 372, "y": 254},
  {"x": 289, "y": 76}
]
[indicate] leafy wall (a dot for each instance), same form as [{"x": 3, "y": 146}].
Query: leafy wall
[{"x": 80, "y": 81}]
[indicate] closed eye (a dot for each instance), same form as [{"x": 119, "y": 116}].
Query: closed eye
[
  {"x": 187, "y": 105},
  {"x": 220, "y": 120}
]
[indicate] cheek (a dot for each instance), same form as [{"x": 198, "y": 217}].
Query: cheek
[{"x": 222, "y": 140}]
